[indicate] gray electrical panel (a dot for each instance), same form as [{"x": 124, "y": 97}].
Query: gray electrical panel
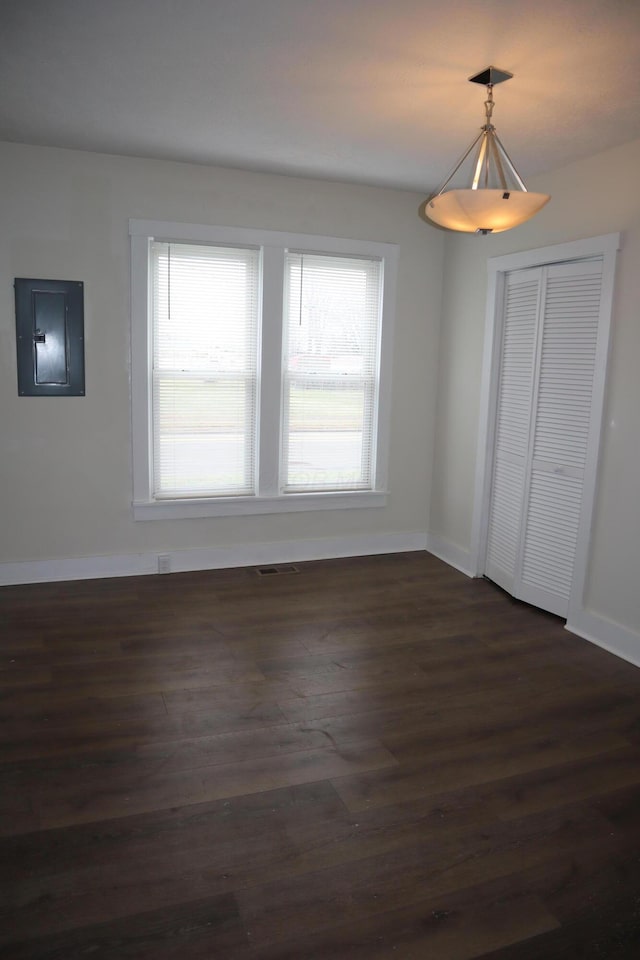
[{"x": 50, "y": 337}]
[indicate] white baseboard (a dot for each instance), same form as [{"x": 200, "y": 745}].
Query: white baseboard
[
  {"x": 451, "y": 553},
  {"x": 607, "y": 634},
  {"x": 209, "y": 558}
]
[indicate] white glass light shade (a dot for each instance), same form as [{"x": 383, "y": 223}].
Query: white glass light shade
[{"x": 483, "y": 211}]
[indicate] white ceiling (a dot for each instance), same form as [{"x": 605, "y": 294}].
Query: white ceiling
[{"x": 372, "y": 91}]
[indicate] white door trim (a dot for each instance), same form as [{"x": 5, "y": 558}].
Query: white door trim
[{"x": 605, "y": 246}]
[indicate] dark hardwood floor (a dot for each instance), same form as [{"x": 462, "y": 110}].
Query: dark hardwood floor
[{"x": 369, "y": 759}]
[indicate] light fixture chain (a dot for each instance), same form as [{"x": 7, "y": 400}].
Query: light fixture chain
[{"x": 489, "y": 105}]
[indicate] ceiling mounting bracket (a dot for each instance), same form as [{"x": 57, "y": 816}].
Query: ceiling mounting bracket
[{"x": 491, "y": 76}]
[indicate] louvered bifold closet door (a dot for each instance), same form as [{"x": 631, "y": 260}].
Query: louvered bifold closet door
[
  {"x": 560, "y": 433},
  {"x": 512, "y": 427}
]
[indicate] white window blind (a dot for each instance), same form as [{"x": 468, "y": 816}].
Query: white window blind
[
  {"x": 204, "y": 335},
  {"x": 330, "y": 381}
]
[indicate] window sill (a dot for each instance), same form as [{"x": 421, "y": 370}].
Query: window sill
[{"x": 249, "y": 506}]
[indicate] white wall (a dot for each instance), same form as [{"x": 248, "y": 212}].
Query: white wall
[
  {"x": 66, "y": 462},
  {"x": 596, "y": 196}
]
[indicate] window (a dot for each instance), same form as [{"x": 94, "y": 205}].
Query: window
[
  {"x": 204, "y": 373},
  {"x": 331, "y": 327},
  {"x": 260, "y": 370}
]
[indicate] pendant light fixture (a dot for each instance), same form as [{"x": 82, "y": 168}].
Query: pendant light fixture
[{"x": 494, "y": 197}]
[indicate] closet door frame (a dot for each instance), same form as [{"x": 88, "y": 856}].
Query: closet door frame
[{"x": 606, "y": 247}]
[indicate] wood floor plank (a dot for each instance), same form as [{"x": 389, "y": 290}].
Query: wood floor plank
[
  {"x": 89, "y": 873},
  {"x": 250, "y": 693},
  {"x": 20, "y": 740},
  {"x": 411, "y": 873},
  {"x": 437, "y": 687},
  {"x": 605, "y": 934},
  {"x": 59, "y": 805},
  {"x": 50, "y": 705},
  {"x": 198, "y": 929},
  {"x": 17, "y": 813},
  {"x": 587, "y": 777},
  {"x": 140, "y": 838},
  {"x": 453, "y": 927},
  {"x": 472, "y": 764},
  {"x": 86, "y": 772},
  {"x": 372, "y": 758},
  {"x": 27, "y": 674},
  {"x": 596, "y": 903},
  {"x": 144, "y": 674}
]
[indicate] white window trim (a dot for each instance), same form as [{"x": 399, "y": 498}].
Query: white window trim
[{"x": 268, "y": 499}]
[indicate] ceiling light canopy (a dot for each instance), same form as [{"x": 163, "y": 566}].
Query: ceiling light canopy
[{"x": 494, "y": 197}]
